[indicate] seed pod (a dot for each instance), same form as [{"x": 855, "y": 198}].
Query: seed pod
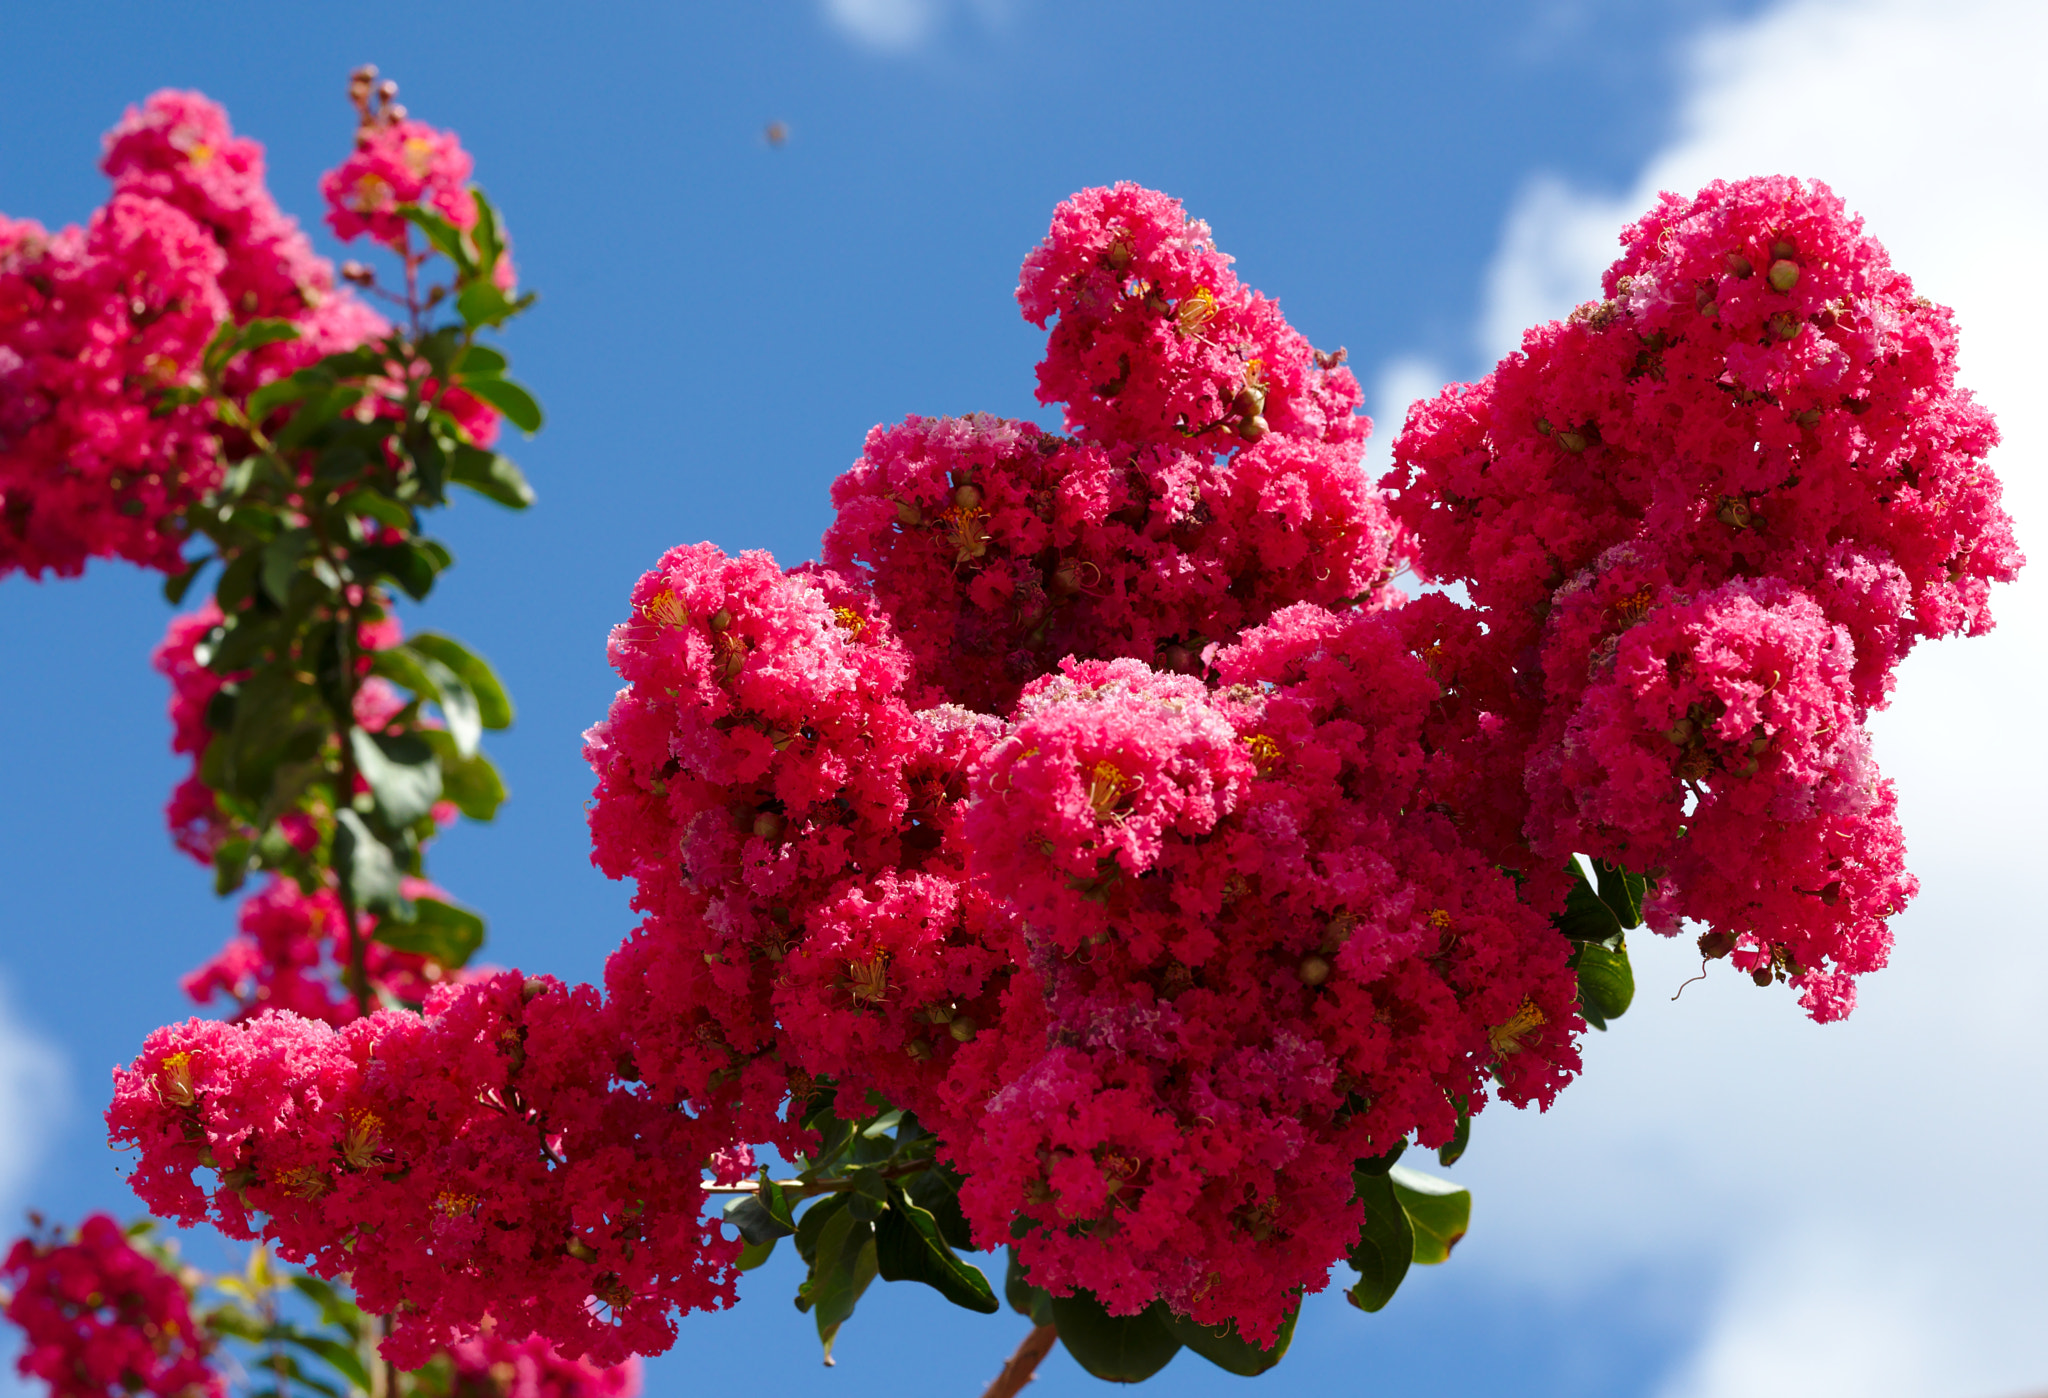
[
  {"x": 1250, "y": 402},
  {"x": 1572, "y": 441},
  {"x": 768, "y": 825},
  {"x": 1715, "y": 945},
  {"x": 1784, "y": 248},
  {"x": 918, "y": 1050},
  {"x": 1761, "y": 975},
  {"x": 908, "y": 514},
  {"x": 1314, "y": 969},
  {"x": 967, "y": 497},
  {"x": 1066, "y": 579},
  {"x": 1784, "y": 274},
  {"x": 1785, "y": 325},
  {"x": 1120, "y": 255},
  {"x": 580, "y": 1250},
  {"x": 1252, "y": 428},
  {"x": 534, "y": 988},
  {"x": 1680, "y": 733},
  {"x": 1739, "y": 267},
  {"x": 963, "y": 1028},
  {"x": 721, "y": 619}
]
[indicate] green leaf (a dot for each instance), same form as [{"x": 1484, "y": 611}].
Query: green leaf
[
  {"x": 230, "y": 866},
  {"x": 1438, "y": 1210},
  {"x": 1607, "y": 985},
  {"x": 472, "y": 783},
  {"x": 335, "y": 1309},
  {"x": 510, "y": 399},
  {"x": 1024, "y": 1298},
  {"x": 447, "y": 933},
  {"x": 1222, "y": 1346},
  {"x": 1123, "y": 1348},
  {"x": 479, "y": 362},
  {"x": 1453, "y": 1150},
  {"x": 1386, "y": 1242},
  {"x": 343, "y": 1358},
  {"x": 494, "y": 709},
  {"x": 179, "y": 583},
  {"x": 427, "y": 677},
  {"x": 937, "y": 1190},
  {"x": 1585, "y": 918},
  {"x": 289, "y": 389},
  {"x": 752, "y": 1255},
  {"x": 844, "y": 1267},
  {"x": 492, "y": 476},
  {"x": 237, "y": 581},
  {"x": 444, "y": 236},
  {"x": 482, "y": 303},
  {"x": 489, "y": 244},
  {"x": 412, "y": 565},
  {"x": 1622, "y": 892},
  {"x": 281, "y": 562},
  {"x": 403, "y": 773},
  {"x": 909, "y": 1247},
  {"x": 776, "y": 1201},
  {"x": 755, "y": 1223},
  {"x": 811, "y": 1227},
  {"x": 375, "y": 504},
  {"x": 362, "y": 860}
]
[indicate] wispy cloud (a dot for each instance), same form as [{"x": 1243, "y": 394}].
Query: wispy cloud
[
  {"x": 1868, "y": 1193},
  {"x": 899, "y": 26},
  {"x": 32, "y": 1101}
]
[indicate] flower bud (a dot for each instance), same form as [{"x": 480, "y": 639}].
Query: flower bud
[
  {"x": 1784, "y": 248},
  {"x": 1715, "y": 945},
  {"x": 1572, "y": 441},
  {"x": 1738, "y": 266},
  {"x": 908, "y": 514},
  {"x": 963, "y": 1028},
  {"x": 1250, "y": 402},
  {"x": 1784, "y": 274},
  {"x": 918, "y": 1050},
  {"x": 1761, "y": 975},
  {"x": 1314, "y": 969},
  {"x": 768, "y": 826},
  {"x": 1120, "y": 255},
  {"x": 1252, "y": 428},
  {"x": 580, "y": 1250},
  {"x": 534, "y": 988},
  {"x": 721, "y": 619},
  {"x": 967, "y": 497}
]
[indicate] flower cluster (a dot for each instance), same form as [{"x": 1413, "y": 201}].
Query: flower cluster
[
  {"x": 96, "y": 323},
  {"x": 1097, "y": 801},
  {"x": 490, "y": 1366},
  {"x": 484, "y": 1157},
  {"x": 1717, "y": 508},
  {"x": 102, "y": 1319}
]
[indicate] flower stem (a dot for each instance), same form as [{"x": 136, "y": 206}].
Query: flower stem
[{"x": 1022, "y": 1366}]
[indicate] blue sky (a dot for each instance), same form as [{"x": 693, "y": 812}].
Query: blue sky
[{"x": 1718, "y": 1207}]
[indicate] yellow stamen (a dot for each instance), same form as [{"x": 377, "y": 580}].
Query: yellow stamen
[
  {"x": 868, "y": 981},
  {"x": 1507, "y": 1038},
  {"x": 1107, "y": 785},
  {"x": 302, "y": 1181},
  {"x": 372, "y": 193},
  {"x": 419, "y": 156},
  {"x": 359, "y": 1146},
  {"x": 666, "y": 609},
  {"x": 175, "y": 1081},
  {"x": 850, "y": 621},
  {"x": 1196, "y": 310},
  {"x": 1266, "y": 753}
]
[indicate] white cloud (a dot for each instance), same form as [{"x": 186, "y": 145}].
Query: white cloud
[
  {"x": 886, "y": 24},
  {"x": 1867, "y": 1194},
  {"x": 1399, "y": 383},
  {"x": 32, "y": 1100}
]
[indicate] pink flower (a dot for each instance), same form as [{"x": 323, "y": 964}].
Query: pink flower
[
  {"x": 394, "y": 163},
  {"x": 101, "y": 1319}
]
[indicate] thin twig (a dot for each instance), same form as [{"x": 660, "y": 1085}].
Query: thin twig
[{"x": 1023, "y": 1365}]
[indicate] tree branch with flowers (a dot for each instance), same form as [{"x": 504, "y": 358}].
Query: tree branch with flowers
[{"x": 1100, "y": 855}]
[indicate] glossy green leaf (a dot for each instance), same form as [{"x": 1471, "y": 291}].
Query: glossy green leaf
[
  {"x": 1386, "y": 1242},
  {"x": 753, "y": 1220},
  {"x": 290, "y": 389},
  {"x": 775, "y": 1199},
  {"x": 489, "y": 243},
  {"x": 494, "y": 709},
  {"x": 1222, "y": 1346},
  {"x": 492, "y": 476},
  {"x": 479, "y": 362},
  {"x": 1607, "y": 984},
  {"x": 514, "y": 402},
  {"x": 403, "y": 774},
  {"x": 1024, "y": 1298},
  {"x": 1585, "y": 918},
  {"x": 281, "y": 562},
  {"x": 444, "y": 931},
  {"x": 1438, "y": 1210},
  {"x": 1453, "y": 1150},
  {"x": 1622, "y": 892},
  {"x": 363, "y": 861},
  {"x": 811, "y": 1227},
  {"x": 753, "y": 1255},
  {"x": 1122, "y": 1349},
  {"x": 844, "y": 1267},
  {"x": 366, "y": 503},
  {"x": 909, "y": 1247}
]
